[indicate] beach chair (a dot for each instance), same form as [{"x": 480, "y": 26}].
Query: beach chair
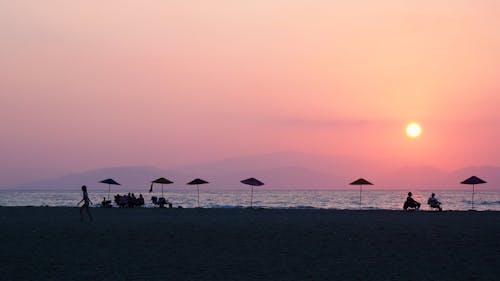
[
  {"x": 158, "y": 201},
  {"x": 106, "y": 204},
  {"x": 161, "y": 202},
  {"x": 435, "y": 207},
  {"x": 409, "y": 206}
]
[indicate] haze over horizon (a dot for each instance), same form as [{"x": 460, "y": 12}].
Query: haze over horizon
[
  {"x": 86, "y": 85},
  {"x": 280, "y": 170}
]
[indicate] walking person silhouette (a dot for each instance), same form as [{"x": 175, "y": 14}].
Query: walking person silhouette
[{"x": 86, "y": 202}]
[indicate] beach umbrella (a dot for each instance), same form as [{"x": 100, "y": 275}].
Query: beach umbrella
[
  {"x": 360, "y": 182},
  {"x": 197, "y": 182},
  {"x": 109, "y": 182},
  {"x": 252, "y": 182},
  {"x": 473, "y": 181},
  {"x": 161, "y": 181}
]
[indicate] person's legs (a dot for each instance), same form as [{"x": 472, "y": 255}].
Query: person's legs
[
  {"x": 81, "y": 212},
  {"x": 88, "y": 211}
]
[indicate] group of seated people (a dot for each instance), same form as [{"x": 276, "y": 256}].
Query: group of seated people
[
  {"x": 411, "y": 203},
  {"x": 128, "y": 200}
]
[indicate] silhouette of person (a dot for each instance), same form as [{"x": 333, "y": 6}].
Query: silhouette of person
[
  {"x": 86, "y": 202},
  {"x": 105, "y": 203},
  {"x": 411, "y": 203},
  {"x": 434, "y": 202}
]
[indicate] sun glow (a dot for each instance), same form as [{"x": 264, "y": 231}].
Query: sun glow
[{"x": 413, "y": 130}]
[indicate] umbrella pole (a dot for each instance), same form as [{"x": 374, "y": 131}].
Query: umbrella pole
[
  {"x": 251, "y": 198},
  {"x": 162, "y": 190},
  {"x": 472, "y": 202},
  {"x": 360, "y": 188},
  {"x": 198, "y": 187},
  {"x": 109, "y": 190}
]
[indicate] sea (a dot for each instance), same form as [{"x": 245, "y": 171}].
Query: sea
[{"x": 484, "y": 199}]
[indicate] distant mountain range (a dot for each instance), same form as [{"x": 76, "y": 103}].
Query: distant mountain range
[{"x": 282, "y": 170}]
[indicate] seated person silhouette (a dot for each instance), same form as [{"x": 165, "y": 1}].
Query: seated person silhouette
[
  {"x": 410, "y": 203},
  {"x": 140, "y": 201},
  {"x": 161, "y": 202},
  {"x": 106, "y": 203},
  {"x": 434, "y": 203},
  {"x": 121, "y": 200}
]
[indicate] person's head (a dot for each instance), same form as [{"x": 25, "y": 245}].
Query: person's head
[
  {"x": 84, "y": 188},
  {"x": 410, "y": 194},
  {"x": 433, "y": 194}
]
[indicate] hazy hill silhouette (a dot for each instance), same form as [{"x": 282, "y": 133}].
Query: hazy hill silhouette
[{"x": 279, "y": 170}]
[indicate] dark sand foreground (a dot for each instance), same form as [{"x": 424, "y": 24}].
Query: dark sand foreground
[{"x": 244, "y": 244}]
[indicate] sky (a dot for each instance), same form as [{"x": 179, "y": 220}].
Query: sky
[{"x": 91, "y": 84}]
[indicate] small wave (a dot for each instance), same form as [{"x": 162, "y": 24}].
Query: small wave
[
  {"x": 299, "y": 207},
  {"x": 374, "y": 208},
  {"x": 303, "y": 207},
  {"x": 225, "y": 207},
  {"x": 488, "y": 203}
]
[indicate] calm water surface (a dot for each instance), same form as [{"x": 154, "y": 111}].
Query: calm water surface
[{"x": 324, "y": 199}]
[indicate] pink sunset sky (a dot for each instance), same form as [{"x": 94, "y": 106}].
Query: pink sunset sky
[{"x": 91, "y": 84}]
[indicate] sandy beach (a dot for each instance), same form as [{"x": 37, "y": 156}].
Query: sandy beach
[{"x": 243, "y": 244}]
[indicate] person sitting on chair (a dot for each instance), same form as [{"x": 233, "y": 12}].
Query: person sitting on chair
[
  {"x": 411, "y": 203},
  {"x": 434, "y": 203},
  {"x": 105, "y": 203},
  {"x": 162, "y": 202}
]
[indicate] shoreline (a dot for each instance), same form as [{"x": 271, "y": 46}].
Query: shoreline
[{"x": 261, "y": 208}]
